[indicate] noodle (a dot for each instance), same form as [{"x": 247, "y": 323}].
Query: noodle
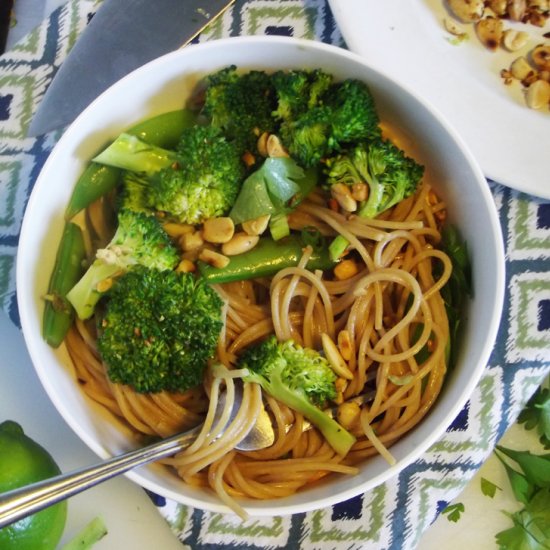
[{"x": 390, "y": 309}]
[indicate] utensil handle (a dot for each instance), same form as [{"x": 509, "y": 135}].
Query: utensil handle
[{"x": 21, "y": 502}]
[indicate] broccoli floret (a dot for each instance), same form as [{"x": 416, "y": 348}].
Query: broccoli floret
[
  {"x": 241, "y": 105},
  {"x": 307, "y": 137},
  {"x": 135, "y": 193},
  {"x": 138, "y": 240},
  {"x": 299, "y": 91},
  {"x": 205, "y": 181},
  {"x": 390, "y": 175},
  {"x": 353, "y": 114},
  {"x": 159, "y": 330},
  {"x": 345, "y": 113},
  {"x": 301, "y": 379},
  {"x": 200, "y": 180}
]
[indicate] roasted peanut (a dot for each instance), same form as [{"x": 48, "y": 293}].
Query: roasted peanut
[
  {"x": 261, "y": 144},
  {"x": 240, "y": 243},
  {"x": 275, "y": 148},
  {"x": 344, "y": 344},
  {"x": 257, "y": 226},
  {"x": 520, "y": 68},
  {"x": 336, "y": 361},
  {"x": 489, "y": 32},
  {"x": 498, "y": 7},
  {"x": 213, "y": 258},
  {"x": 452, "y": 27},
  {"x": 537, "y": 95},
  {"x": 191, "y": 241},
  {"x": 104, "y": 285},
  {"x": 541, "y": 57},
  {"x": 467, "y": 11},
  {"x": 249, "y": 159},
  {"x": 218, "y": 230},
  {"x": 341, "y": 193},
  {"x": 345, "y": 270},
  {"x": 516, "y": 9},
  {"x": 360, "y": 191},
  {"x": 177, "y": 229},
  {"x": 186, "y": 266},
  {"x": 348, "y": 414},
  {"x": 514, "y": 40}
]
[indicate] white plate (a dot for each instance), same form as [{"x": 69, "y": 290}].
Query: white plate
[{"x": 408, "y": 41}]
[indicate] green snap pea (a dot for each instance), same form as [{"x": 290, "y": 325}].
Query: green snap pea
[
  {"x": 265, "y": 259},
  {"x": 95, "y": 181},
  {"x": 68, "y": 267},
  {"x": 163, "y": 130}
]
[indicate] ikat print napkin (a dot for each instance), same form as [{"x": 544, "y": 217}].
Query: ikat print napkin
[{"x": 393, "y": 515}]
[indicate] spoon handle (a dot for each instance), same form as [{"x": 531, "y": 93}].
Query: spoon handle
[{"x": 19, "y": 503}]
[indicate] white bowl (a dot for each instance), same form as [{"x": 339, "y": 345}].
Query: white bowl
[{"x": 163, "y": 85}]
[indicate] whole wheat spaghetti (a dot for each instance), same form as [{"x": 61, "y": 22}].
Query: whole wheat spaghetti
[{"x": 386, "y": 312}]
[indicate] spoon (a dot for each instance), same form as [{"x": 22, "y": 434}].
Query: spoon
[{"x": 22, "y": 502}]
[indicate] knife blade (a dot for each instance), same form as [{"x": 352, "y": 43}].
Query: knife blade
[
  {"x": 6, "y": 9},
  {"x": 121, "y": 37}
]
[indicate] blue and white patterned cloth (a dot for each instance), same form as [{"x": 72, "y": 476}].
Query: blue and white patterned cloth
[{"x": 393, "y": 515}]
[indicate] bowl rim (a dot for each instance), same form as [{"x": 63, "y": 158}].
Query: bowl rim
[{"x": 273, "y": 507}]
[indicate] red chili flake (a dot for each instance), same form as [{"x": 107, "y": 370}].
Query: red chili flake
[{"x": 333, "y": 204}]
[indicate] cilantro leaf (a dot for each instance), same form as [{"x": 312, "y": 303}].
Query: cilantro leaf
[
  {"x": 523, "y": 489},
  {"x": 535, "y": 467},
  {"x": 488, "y": 488},
  {"x": 531, "y": 530},
  {"x": 457, "y": 288},
  {"x": 453, "y": 511},
  {"x": 536, "y": 415}
]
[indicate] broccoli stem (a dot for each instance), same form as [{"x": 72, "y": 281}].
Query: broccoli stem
[
  {"x": 265, "y": 259},
  {"x": 338, "y": 438},
  {"x": 371, "y": 207},
  {"x": 367, "y": 209},
  {"x": 84, "y": 295},
  {"x": 131, "y": 153}
]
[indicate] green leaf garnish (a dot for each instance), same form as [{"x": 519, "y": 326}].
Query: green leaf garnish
[
  {"x": 531, "y": 529},
  {"x": 535, "y": 467},
  {"x": 488, "y": 488},
  {"x": 536, "y": 415},
  {"x": 453, "y": 511},
  {"x": 457, "y": 288}
]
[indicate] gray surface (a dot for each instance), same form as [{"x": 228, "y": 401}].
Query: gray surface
[
  {"x": 27, "y": 15},
  {"x": 158, "y": 27}
]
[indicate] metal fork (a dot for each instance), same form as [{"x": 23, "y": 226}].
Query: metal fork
[{"x": 22, "y": 502}]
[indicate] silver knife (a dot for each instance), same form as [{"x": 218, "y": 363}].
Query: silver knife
[{"x": 122, "y": 36}]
